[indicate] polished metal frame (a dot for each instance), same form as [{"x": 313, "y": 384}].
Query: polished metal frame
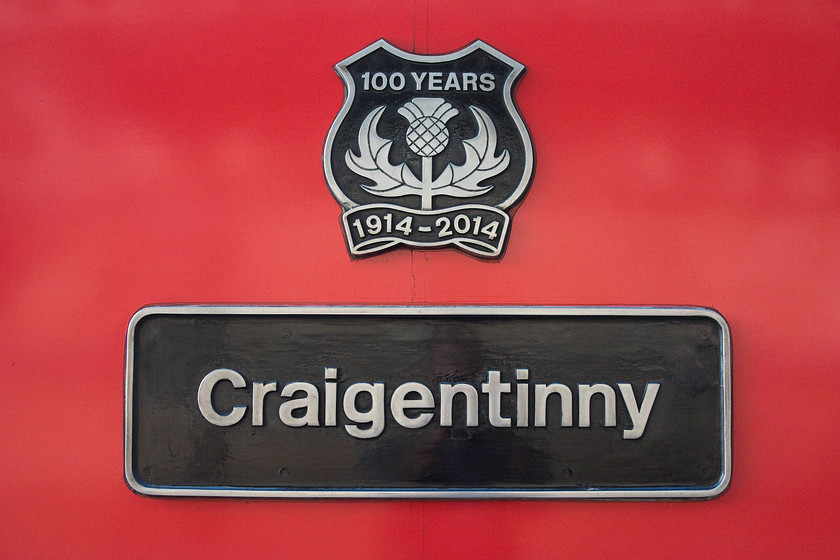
[{"x": 442, "y": 493}]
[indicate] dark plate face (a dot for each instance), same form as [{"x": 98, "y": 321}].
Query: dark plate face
[{"x": 428, "y": 402}]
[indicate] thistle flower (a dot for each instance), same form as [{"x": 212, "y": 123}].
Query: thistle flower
[{"x": 427, "y": 135}]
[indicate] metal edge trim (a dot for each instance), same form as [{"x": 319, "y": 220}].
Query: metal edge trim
[{"x": 128, "y": 401}]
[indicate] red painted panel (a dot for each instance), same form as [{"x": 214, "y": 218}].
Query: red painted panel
[{"x": 686, "y": 154}]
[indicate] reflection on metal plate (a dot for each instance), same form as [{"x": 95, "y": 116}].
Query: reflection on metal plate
[{"x": 428, "y": 402}]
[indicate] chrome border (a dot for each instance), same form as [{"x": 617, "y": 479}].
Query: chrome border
[{"x": 586, "y": 493}]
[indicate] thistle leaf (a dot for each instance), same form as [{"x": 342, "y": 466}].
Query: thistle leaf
[
  {"x": 481, "y": 162},
  {"x": 372, "y": 162}
]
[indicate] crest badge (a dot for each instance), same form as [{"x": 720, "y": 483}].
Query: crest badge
[{"x": 428, "y": 150}]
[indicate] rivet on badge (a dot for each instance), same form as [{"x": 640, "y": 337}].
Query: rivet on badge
[{"x": 428, "y": 151}]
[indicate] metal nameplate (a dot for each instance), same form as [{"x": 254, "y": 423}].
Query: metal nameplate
[
  {"x": 428, "y": 151},
  {"x": 428, "y": 402}
]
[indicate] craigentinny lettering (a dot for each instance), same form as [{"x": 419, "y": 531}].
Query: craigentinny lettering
[
  {"x": 361, "y": 409},
  {"x": 428, "y": 150}
]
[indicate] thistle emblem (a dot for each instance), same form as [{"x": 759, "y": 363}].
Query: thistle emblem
[
  {"x": 416, "y": 155},
  {"x": 427, "y": 136}
]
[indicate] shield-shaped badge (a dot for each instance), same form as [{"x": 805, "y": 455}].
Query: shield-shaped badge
[{"x": 428, "y": 150}]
